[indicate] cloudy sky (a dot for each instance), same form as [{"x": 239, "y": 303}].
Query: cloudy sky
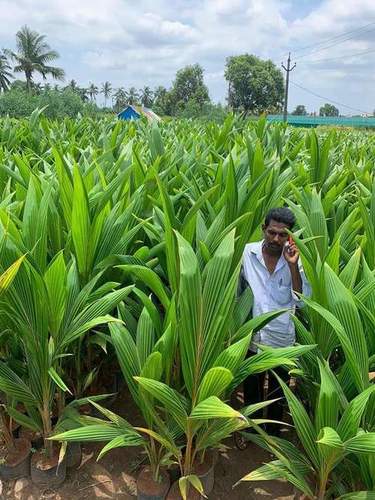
[{"x": 144, "y": 42}]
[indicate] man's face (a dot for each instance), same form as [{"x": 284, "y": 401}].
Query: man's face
[{"x": 275, "y": 236}]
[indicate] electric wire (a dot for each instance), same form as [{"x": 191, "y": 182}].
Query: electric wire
[{"x": 327, "y": 99}]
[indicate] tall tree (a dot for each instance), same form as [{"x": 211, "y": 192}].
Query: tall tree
[
  {"x": 83, "y": 93},
  {"x": 328, "y": 110},
  {"x": 33, "y": 55},
  {"x": 5, "y": 73},
  {"x": 93, "y": 91},
  {"x": 189, "y": 86},
  {"x": 72, "y": 85},
  {"x": 255, "y": 85},
  {"x": 106, "y": 90},
  {"x": 300, "y": 110},
  {"x": 133, "y": 96},
  {"x": 146, "y": 96},
  {"x": 120, "y": 96},
  {"x": 162, "y": 101}
]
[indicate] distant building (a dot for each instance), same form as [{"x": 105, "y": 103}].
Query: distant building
[{"x": 132, "y": 112}]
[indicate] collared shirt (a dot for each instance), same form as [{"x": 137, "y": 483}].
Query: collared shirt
[{"x": 271, "y": 292}]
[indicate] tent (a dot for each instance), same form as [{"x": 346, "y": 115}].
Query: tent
[{"x": 132, "y": 112}]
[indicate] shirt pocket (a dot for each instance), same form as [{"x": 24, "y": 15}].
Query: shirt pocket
[{"x": 281, "y": 294}]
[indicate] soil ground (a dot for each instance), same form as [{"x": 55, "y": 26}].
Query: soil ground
[{"x": 115, "y": 475}]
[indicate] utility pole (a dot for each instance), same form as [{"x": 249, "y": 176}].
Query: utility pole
[{"x": 288, "y": 69}]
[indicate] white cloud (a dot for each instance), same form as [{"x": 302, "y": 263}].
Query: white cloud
[{"x": 145, "y": 42}]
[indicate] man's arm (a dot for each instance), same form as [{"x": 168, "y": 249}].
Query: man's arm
[
  {"x": 299, "y": 281},
  {"x": 296, "y": 278}
]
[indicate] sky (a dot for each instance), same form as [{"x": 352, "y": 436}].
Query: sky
[{"x": 144, "y": 42}]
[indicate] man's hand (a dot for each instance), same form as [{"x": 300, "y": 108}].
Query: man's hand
[{"x": 291, "y": 253}]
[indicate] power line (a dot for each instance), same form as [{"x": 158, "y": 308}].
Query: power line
[
  {"x": 340, "y": 58},
  {"x": 301, "y": 49},
  {"x": 328, "y": 99},
  {"x": 331, "y": 45}
]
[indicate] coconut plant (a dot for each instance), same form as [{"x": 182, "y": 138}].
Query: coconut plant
[
  {"x": 15, "y": 453},
  {"x": 187, "y": 414},
  {"x": 342, "y": 406},
  {"x": 335, "y": 443},
  {"x": 47, "y": 312}
]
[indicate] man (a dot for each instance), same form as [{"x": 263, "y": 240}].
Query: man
[{"x": 272, "y": 269}]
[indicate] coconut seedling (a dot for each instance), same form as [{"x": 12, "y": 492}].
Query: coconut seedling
[
  {"x": 47, "y": 312},
  {"x": 14, "y": 452}
]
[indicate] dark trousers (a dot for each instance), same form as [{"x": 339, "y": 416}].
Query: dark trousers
[{"x": 253, "y": 389}]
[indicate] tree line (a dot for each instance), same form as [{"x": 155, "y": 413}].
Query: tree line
[
  {"x": 326, "y": 110},
  {"x": 254, "y": 85}
]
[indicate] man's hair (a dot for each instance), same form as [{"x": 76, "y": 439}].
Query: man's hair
[{"x": 281, "y": 214}]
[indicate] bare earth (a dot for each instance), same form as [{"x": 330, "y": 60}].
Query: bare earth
[{"x": 115, "y": 475}]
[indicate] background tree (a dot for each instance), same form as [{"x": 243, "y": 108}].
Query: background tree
[
  {"x": 72, "y": 85},
  {"x": 33, "y": 55},
  {"x": 328, "y": 110},
  {"x": 37, "y": 88},
  {"x": 82, "y": 92},
  {"x": 120, "y": 96},
  {"x": 5, "y": 73},
  {"x": 300, "y": 110},
  {"x": 106, "y": 90},
  {"x": 146, "y": 96},
  {"x": 18, "y": 85},
  {"x": 162, "y": 101},
  {"x": 255, "y": 85},
  {"x": 189, "y": 86},
  {"x": 132, "y": 96},
  {"x": 92, "y": 91}
]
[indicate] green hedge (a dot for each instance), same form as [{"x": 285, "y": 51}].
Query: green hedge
[{"x": 18, "y": 103}]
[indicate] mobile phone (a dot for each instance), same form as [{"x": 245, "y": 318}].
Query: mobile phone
[{"x": 290, "y": 241}]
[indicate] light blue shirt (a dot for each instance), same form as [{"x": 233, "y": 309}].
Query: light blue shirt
[{"x": 271, "y": 292}]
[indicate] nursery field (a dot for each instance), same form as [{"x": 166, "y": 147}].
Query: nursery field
[{"x": 122, "y": 333}]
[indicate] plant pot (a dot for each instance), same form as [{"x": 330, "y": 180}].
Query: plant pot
[
  {"x": 15, "y": 464},
  {"x": 174, "y": 472},
  {"x": 34, "y": 437},
  {"x": 206, "y": 471},
  {"x": 174, "y": 493},
  {"x": 148, "y": 488},
  {"x": 73, "y": 455},
  {"x": 47, "y": 472}
]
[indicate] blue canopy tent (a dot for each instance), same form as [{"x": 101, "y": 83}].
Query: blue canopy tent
[
  {"x": 129, "y": 113},
  {"x": 135, "y": 112}
]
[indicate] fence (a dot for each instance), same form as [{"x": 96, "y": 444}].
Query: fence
[{"x": 315, "y": 121}]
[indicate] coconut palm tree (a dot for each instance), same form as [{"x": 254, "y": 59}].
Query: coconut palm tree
[
  {"x": 33, "y": 55},
  {"x": 82, "y": 92},
  {"x": 133, "y": 96},
  {"x": 72, "y": 85},
  {"x": 147, "y": 96},
  {"x": 120, "y": 98},
  {"x": 106, "y": 91},
  {"x": 5, "y": 74},
  {"x": 93, "y": 91}
]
